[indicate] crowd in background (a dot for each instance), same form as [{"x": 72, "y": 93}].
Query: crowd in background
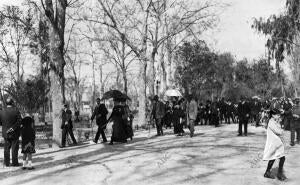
[
  {"x": 177, "y": 113},
  {"x": 182, "y": 113}
]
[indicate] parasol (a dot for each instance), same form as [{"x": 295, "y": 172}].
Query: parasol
[
  {"x": 115, "y": 94},
  {"x": 173, "y": 93},
  {"x": 256, "y": 97}
]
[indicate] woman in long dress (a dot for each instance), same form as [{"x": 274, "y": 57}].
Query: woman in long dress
[
  {"x": 274, "y": 148},
  {"x": 119, "y": 132}
]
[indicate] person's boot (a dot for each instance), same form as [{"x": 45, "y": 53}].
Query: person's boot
[
  {"x": 269, "y": 175},
  {"x": 281, "y": 176}
]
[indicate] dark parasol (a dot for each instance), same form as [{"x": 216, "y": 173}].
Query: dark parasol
[{"x": 116, "y": 95}]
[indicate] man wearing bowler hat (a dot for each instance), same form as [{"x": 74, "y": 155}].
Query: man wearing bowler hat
[
  {"x": 100, "y": 113},
  {"x": 10, "y": 119},
  {"x": 158, "y": 112},
  {"x": 67, "y": 125}
]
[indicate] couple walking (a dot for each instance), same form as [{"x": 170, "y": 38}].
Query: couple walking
[{"x": 158, "y": 113}]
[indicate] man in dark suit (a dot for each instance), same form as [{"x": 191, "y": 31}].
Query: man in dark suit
[
  {"x": 100, "y": 112},
  {"x": 243, "y": 112},
  {"x": 158, "y": 112},
  {"x": 10, "y": 119},
  {"x": 67, "y": 126}
]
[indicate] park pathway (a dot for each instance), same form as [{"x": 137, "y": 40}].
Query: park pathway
[{"x": 214, "y": 156}]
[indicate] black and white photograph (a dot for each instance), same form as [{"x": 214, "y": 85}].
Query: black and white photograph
[{"x": 149, "y": 92}]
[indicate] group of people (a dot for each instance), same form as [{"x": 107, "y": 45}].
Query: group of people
[
  {"x": 188, "y": 113},
  {"x": 121, "y": 117},
  {"x": 14, "y": 126},
  {"x": 276, "y": 115}
]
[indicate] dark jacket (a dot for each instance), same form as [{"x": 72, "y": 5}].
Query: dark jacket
[
  {"x": 158, "y": 110},
  {"x": 177, "y": 114},
  {"x": 242, "y": 110},
  {"x": 10, "y": 118},
  {"x": 27, "y": 131},
  {"x": 66, "y": 116},
  {"x": 100, "y": 112},
  {"x": 295, "y": 123}
]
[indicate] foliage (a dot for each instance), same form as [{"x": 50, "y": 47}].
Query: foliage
[
  {"x": 281, "y": 31},
  {"x": 196, "y": 64},
  {"x": 29, "y": 95},
  {"x": 206, "y": 74}
]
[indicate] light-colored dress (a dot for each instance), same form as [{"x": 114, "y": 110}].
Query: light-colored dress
[{"x": 274, "y": 147}]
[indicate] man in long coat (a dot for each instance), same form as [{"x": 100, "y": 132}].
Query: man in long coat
[
  {"x": 158, "y": 113},
  {"x": 243, "y": 111},
  {"x": 67, "y": 126},
  {"x": 10, "y": 119},
  {"x": 100, "y": 113}
]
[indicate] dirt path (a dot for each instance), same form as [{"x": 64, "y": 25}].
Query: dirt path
[{"x": 214, "y": 156}]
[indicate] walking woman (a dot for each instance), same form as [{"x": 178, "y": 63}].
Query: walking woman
[
  {"x": 178, "y": 116},
  {"x": 274, "y": 148},
  {"x": 119, "y": 132}
]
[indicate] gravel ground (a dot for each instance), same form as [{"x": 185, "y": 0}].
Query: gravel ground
[{"x": 214, "y": 156}]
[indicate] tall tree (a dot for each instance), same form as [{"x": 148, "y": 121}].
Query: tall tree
[
  {"x": 56, "y": 13},
  {"x": 15, "y": 27},
  {"x": 283, "y": 35}
]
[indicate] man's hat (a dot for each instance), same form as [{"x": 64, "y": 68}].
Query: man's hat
[{"x": 9, "y": 101}]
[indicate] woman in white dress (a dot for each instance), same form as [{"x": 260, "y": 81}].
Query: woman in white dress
[{"x": 274, "y": 148}]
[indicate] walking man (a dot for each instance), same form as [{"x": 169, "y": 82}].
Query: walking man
[
  {"x": 67, "y": 126},
  {"x": 10, "y": 119},
  {"x": 192, "y": 114},
  {"x": 100, "y": 112},
  {"x": 158, "y": 113},
  {"x": 243, "y": 112}
]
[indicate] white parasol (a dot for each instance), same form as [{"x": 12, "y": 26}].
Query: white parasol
[
  {"x": 256, "y": 97},
  {"x": 173, "y": 93}
]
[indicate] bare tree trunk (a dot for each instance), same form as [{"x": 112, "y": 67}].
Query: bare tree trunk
[
  {"x": 125, "y": 81},
  {"x": 18, "y": 67},
  {"x": 152, "y": 73},
  {"x": 123, "y": 67},
  {"x": 142, "y": 73},
  {"x": 57, "y": 88},
  {"x": 94, "y": 82},
  {"x": 169, "y": 60},
  {"x": 163, "y": 67},
  {"x": 118, "y": 78},
  {"x": 142, "y": 92},
  {"x": 101, "y": 80}
]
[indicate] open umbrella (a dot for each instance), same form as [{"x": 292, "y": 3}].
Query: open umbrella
[
  {"x": 256, "y": 97},
  {"x": 115, "y": 94},
  {"x": 173, "y": 93}
]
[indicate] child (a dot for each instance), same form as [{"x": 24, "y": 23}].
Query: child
[
  {"x": 274, "y": 148},
  {"x": 28, "y": 137}
]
